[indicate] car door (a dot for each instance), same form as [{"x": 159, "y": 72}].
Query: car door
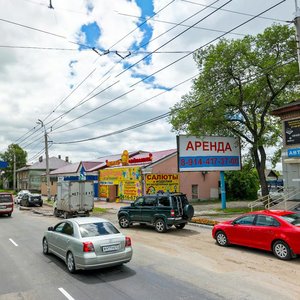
[
  {"x": 53, "y": 237},
  {"x": 240, "y": 231},
  {"x": 135, "y": 209},
  {"x": 64, "y": 238},
  {"x": 264, "y": 231},
  {"x": 149, "y": 209}
]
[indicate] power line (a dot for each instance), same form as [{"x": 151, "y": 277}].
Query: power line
[
  {"x": 179, "y": 24},
  {"x": 162, "y": 116},
  {"x": 208, "y": 43},
  {"x": 236, "y": 12},
  {"x": 175, "y": 37},
  {"x": 126, "y": 35},
  {"x": 130, "y": 108}
]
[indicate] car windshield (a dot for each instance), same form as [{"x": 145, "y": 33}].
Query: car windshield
[
  {"x": 97, "y": 229},
  {"x": 293, "y": 219}
]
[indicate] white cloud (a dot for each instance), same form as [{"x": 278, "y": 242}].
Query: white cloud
[{"x": 36, "y": 84}]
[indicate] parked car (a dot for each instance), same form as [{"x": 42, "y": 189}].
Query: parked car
[
  {"x": 87, "y": 243},
  {"x": 272, "y": 230},
  {"x": 31, "y": 200},
  {"x": 161, "y": 210},
  {"x": 20, "y": 194},
  {"x": 6, "y": 204}
]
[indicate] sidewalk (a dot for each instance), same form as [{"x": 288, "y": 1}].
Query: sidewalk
[{"x": 201, "y": 211}]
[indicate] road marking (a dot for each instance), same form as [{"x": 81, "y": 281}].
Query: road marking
[
  {"x": 66, "y": 294},
  {"x": 14, "y": 242}
]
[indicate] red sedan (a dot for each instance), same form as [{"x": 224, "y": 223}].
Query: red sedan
[{"x": 272, "y": 230}]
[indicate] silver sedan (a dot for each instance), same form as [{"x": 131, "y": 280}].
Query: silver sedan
[{"x": 87, "y": 243}]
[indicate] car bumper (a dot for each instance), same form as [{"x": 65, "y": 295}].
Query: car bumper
[
  {"x": 176, "y": 221},
  {"x": 92, "y": 261}
]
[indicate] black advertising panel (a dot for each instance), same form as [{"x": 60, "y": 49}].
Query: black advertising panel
[{"x": 292, "y": 132}]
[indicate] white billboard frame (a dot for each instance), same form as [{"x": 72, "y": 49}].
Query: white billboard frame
[{"x": 208, "y": 153}]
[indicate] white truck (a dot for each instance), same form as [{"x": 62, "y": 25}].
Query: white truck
[{"x": 74, "y": 198}]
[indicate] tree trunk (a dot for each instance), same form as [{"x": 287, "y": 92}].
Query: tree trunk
[{"x": 259, "y": 156}]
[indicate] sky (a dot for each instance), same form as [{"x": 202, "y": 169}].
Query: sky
[{"x": 100, "y": 76}]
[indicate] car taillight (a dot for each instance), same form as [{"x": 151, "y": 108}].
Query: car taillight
[
  {"x": 127, "y": 241},
  {"x": 88, "y": 247},
  {"x": 172, "y": 213}
]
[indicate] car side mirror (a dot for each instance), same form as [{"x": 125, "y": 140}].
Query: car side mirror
[{"x": 51, "y": 228}]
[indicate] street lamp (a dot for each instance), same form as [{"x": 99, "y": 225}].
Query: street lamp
[{"x": 47, "y": 159}]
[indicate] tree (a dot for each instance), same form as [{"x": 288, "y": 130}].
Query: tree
[
  {"x": 8, "y": 156},
  {"x": 240, "y": 83}
]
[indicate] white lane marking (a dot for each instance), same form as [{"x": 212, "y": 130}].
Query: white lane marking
[
  {"x": 66, "y": 294},
  {"x": 14, "y": 242}
]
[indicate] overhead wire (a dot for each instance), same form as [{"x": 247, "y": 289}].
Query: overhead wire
[
  {"x": 127, "y": 109},
  {"x": 159, "y": 117},
  {"x": 175, "y": 37},
  {"x": 243, "y": 23},
  {"x": 208, "y": 43}
]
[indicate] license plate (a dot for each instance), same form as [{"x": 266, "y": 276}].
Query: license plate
[{"x": 110, "y": 248}]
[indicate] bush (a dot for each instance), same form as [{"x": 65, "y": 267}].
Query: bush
[{"x": 242, "y": 184}]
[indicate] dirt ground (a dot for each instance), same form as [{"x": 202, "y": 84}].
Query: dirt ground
[{"x": 252, "y": 273}]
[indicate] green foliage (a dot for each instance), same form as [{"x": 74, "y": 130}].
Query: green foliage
[
  {"x": 13, "y": 152},
  {"x": 241, "y": 82},
  {"x": 242, "y": 184}
]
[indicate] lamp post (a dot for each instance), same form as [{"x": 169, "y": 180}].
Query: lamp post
[{"x": 47, "y": 159}]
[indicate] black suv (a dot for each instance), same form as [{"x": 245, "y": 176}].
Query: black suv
[
  {"x": 31, "y": 200},
  {"x": 160, "y": 210}
]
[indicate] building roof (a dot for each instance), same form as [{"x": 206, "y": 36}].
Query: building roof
[
  {"x": 71, "y": 168},
  {"x": 54, "y": 163}
]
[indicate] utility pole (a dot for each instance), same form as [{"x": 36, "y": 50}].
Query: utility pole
[
  {"x": 14, "y": 175},
  {"x": 47, "y": 159},
  {"x": 297, "y": 24}
]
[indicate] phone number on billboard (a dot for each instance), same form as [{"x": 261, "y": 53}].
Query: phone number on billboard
[{"x": 209, "y": 161}]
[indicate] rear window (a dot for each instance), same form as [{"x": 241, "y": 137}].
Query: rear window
[
  {"x": 5, "y": 198},
  {"x": 294, "y": 219},
  {"x": 97, "y": 229},
  {"x": 180, "y": 199}
]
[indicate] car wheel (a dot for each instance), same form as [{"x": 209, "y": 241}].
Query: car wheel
[
  {"x": 41, "y": 204},
  {"x": 124, "y": 222},
  {"x": 56, "y": 214},
  {"x": 9, "y": 214},
  {"x": 45, "y": 246},
  {"x": 71, "y": 262},
  {"x": 180, "y": 226},
  {"x": 281, "y": 250},
  {"x": 221, "y": 238},
  {"x": 160, "y": 225}
]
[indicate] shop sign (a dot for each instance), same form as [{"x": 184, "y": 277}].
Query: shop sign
[
  {"x": 156, "y": 183},
  {"x": 294, "y": 152},
  {"x": 127, "y": 179},
  {"x": 292, "y": 132},
  {"x": 209, "y": 153},
  {"x": 125, "y": 160}
]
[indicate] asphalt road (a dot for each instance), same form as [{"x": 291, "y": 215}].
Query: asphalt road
[
  {"x": 180, "y": 264},
  {"x": 28, "y": 274}
]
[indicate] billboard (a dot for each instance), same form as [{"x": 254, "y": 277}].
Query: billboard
[
  {"x": 162, "y": 183},
  {"x": 209, "y": 153},
  {"x": 292, "y": 132}
]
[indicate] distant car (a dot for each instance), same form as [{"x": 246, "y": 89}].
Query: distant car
[
  {"x": 20, "y": 194},
  {"x": 31, "y": 200},
  {"x": 162, "y": 210},
  {"x": 272, "y": 230},
  {"x": 87, "y": 243},
  {"x": 6, "y": 204}
]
